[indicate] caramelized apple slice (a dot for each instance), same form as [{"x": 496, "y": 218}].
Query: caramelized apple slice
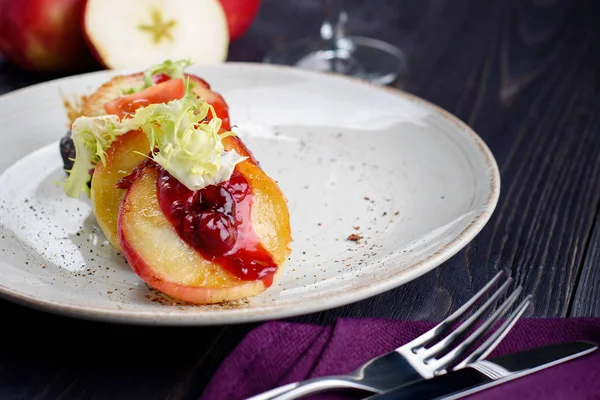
[
  {"x": 204, "y": 92},
  {"x": 270, "y": 214},
  {"x": 126, "y": 106},
  {"x": 122, "y": 85},
  {"x": 116, "y": 87},
  {"x": 120, "y": 160},
  {"x": 166, "y": 262}
]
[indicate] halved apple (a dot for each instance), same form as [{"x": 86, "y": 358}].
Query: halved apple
[
  {"x": 121, "y": 158},
  {"x": 138, "y": 33},
  {"x": 166, "y": 262}
]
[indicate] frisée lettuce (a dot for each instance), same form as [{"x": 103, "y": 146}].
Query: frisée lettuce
[
  {"x": 181, "y": 142},
  {"x": 173, "y": 69}
]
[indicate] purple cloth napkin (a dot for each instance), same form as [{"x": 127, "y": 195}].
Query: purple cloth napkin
[{"x": 277, "y": 353}]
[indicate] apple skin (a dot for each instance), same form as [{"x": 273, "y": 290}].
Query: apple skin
[
  {"x": 88, "y": 41},
  {"x": 44, "y": 35},
  {"x": 240, "y": 15}
]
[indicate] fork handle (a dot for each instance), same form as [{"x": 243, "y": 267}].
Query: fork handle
[
  {"x": 311, "y": 386},
  {"x": 271, "y": 394}
]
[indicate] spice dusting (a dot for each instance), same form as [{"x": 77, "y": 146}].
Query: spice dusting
[{"x": 354, "y": 237}]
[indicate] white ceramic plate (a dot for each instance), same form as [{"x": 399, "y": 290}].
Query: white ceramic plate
[{"x": 415, "y": 182}]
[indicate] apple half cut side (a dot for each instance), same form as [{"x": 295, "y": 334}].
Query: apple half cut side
[
  {"x": 138, "y": 33},
  {"x": 162, "y": 259}
]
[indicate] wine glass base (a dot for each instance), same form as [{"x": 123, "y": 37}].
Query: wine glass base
[{"x": 365, "y": 58}]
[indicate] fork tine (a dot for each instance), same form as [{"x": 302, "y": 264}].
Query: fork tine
[
  {"x": 490, "y": 344},
  {"x": 444, "y": 326},
  {"x": 459, "y": 332},
  {"x": 485, "y": 327}
]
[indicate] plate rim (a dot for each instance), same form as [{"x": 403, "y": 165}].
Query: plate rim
[{"x": 264, "y": 313}]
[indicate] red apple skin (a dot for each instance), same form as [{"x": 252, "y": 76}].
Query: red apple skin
[
  {"x": 44, "y": 35},
  {"x": 240, "y": 15},
  {"x": 88, "y": 41},
  {"x": 190, "y": 294}
]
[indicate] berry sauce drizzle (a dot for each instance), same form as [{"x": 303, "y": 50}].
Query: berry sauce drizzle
[{"x": 216, "y": 222}]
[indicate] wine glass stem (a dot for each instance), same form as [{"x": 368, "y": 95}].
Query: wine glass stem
[{"x": 333, "y": 27}]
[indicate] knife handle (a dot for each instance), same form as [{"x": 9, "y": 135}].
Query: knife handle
[
  {"x": 439, "y": 386},
  {"x": 310, "y": 386}
]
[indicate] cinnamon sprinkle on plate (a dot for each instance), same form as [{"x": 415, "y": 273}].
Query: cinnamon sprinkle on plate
[{"x": 354, "y": 237}]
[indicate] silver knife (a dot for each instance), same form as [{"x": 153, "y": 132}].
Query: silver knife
[{"x": 485, "y": 374}]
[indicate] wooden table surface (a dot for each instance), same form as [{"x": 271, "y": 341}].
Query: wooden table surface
[{"x": 525, "y": 74}]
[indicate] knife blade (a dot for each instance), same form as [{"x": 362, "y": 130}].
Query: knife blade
[{"x": 485, "y": 374}]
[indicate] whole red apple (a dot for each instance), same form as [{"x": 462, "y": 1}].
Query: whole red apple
[
  {"x": 43, "y": 35},
  {"x": 240, "y": 15}
]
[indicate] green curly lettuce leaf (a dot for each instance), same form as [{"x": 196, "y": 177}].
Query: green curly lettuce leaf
[
  {"x": 189, "y": 148},
  {"x": 91, "y": 137},
  {"x": 173, "y": 69}
]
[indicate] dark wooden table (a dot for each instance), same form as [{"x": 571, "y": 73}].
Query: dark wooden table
[{"x": 525, "y": 74}]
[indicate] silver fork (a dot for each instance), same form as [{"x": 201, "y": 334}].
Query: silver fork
[{"x": 422, "y": 358}]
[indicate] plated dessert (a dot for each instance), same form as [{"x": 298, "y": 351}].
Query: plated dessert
[
  {"x": 406, "y": 155},
  {"x": 174, "y": 189}
]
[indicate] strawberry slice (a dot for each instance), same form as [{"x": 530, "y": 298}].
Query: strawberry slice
[{"x": 164, "y": 92}]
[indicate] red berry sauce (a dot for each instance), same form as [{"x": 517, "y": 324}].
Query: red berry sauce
[{"x": 216, "y": 221}]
